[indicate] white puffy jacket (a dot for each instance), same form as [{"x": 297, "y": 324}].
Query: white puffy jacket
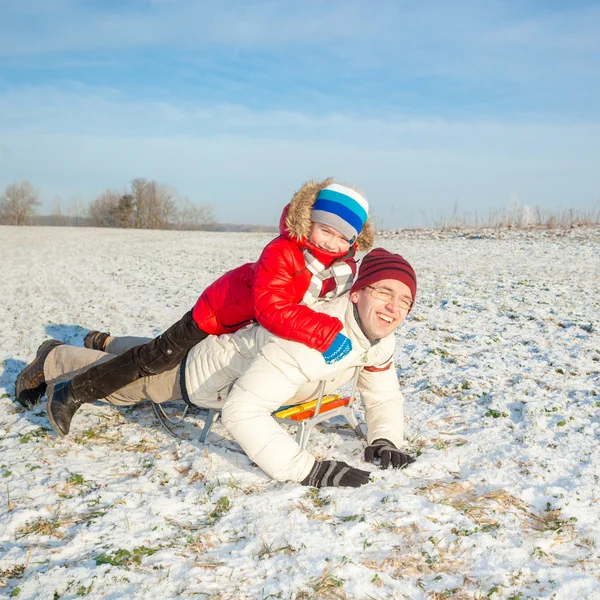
[{"x": 269, "y": 372}]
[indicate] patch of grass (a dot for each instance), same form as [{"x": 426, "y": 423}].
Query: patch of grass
[
  {"x": 324, "y": 586},
  {"x": 33, "y": 435},
  {"x": 50, "y": 527},
  {"x": 97, "y": 436},
  {"x": 195, "y": 477},
  {"x": 484, "y": 508},
  {"x": 408, "y": 558},
  {"x": 15, "y": 572},
  {"x": 142, "y": 446},
  {"x": 551, "y": 520},
  {"x": 246, "y": 490},
  {"x": 10, "y": 506},
  {"x": 221, "y": 507},
  {"x": 84, "y": 591},
  {"x": 440, "y": 443},
  {"x": 124, "y": 558},
  {"x": 460, "y": 496},
  {"x": 314, "y": 495},
  {"x": 76, "y": 479},
  {"x": 43, "y": 527},
  {"x": 485, "y": 528},
  {"x": 495, "y": 414},
  {"x": 87, "y": 435},
  {"x": 537, "y": 552},
  {"x": 267, "y": 550},
  {"x": 440, "y": 352},
  {"x": 351, "y": 518}
]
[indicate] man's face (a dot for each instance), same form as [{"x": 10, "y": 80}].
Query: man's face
[{"x": 380, "y": 317}]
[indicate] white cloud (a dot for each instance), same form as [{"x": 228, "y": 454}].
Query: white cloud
[
  {"x": 460, "y": 39},
  {"x": 247, "y": 163}
]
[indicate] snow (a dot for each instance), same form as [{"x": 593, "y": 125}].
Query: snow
[{"x": 499, "y": 364}]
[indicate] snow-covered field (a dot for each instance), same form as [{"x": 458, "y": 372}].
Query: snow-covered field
[{"x": 499, "y": 363}]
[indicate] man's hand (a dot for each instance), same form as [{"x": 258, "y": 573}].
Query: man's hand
[
  {"x": 340, "y": 346},
  {"x": 387, "y": 453},
  {"x": 334, "y": 473}
]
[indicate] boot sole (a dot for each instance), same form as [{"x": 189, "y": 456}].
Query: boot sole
[
  {"x": 26, "y": 395},
  {"x": 30, "y": 397},
  {"x": 55, "y": 426}
]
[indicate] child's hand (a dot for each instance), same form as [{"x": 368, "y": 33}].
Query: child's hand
[{"x": 340, "y": 346}]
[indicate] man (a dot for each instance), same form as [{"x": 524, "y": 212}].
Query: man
[{"x": 251, "y": 373}]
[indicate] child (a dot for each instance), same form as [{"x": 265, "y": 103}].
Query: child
[{"x": 321, "y": 229}]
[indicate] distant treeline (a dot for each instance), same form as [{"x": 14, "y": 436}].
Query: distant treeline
[
  {"x": 68, "y": 221},
  {"x": 147, "y": 204},
  {"x": 520, "y": 216}
]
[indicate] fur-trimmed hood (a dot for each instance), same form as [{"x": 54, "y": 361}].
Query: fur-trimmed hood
[{"x": 296, "y": 219}]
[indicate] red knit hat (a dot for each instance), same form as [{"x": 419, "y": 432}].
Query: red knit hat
[{"x": 380, "y": 264}]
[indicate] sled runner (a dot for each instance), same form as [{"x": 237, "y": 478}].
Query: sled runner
[{"x": 304, "y": 416}]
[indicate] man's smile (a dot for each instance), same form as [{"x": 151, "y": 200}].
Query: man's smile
[{"x": 385, "y": 318}]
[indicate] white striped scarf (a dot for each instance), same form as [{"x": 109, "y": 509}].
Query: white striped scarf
[{"x": 340, "y": 271}]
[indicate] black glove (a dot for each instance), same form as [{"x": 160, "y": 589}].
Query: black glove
[
  {"x": 335, "y": 473},
  {"x": 386, "y": 452}
]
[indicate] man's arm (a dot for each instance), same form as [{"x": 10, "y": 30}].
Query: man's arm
[
  {"x": 384, "y": 403},
  {"x": 271, "y": 380}
]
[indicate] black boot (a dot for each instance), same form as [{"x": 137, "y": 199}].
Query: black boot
[
  {"x": 157, "y": 356},
  {"x": 61, "y": 407},
  {"x": 31, "y": 385}
]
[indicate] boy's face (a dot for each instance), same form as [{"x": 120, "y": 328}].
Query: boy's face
[
  {"x": 328, "y": 238},
  {"x": 381, "y": 315}
]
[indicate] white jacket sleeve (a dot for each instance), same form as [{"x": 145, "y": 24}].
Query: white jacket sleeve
[
  {"x": 384, "y": 404},
  {"x": 271, "y": 380}
]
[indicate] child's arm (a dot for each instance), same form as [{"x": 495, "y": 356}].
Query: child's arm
[{"x": 276, "y": 304}]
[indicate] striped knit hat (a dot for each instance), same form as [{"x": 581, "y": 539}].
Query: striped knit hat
[
  {"x": 380, "y": 264},
  {"x": 343, "y": 208}
]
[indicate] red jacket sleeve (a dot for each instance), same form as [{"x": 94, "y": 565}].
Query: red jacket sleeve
[
  {"x": 226, "y": 305},
  {"x": 280, "y": 282}
]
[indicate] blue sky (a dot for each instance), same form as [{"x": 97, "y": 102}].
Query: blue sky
[{"x": 235, "y": 104}]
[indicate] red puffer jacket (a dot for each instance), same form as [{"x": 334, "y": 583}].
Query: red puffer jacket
[{"x": 270, "y": 290}]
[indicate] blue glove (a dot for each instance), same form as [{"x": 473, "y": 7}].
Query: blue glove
[{"x": 340, "y": 346}]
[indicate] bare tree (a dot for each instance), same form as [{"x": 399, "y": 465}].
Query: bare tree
[
  {"x": 18, "y": 203},
  {"x": 77, "y": 209},
  {"x": 138, "y": 185},
  {"x": 105, "y": 208},
  {"x": 196, "y": 217},
  {"x": 160, "y": 204},
  {"x": 124, "y": 211},
  {"x": 149, "y": 205},
  {"x": 57, "y": 213}
]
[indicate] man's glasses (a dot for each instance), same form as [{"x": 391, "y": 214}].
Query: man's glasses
[{"x": 382, "y": 294}]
